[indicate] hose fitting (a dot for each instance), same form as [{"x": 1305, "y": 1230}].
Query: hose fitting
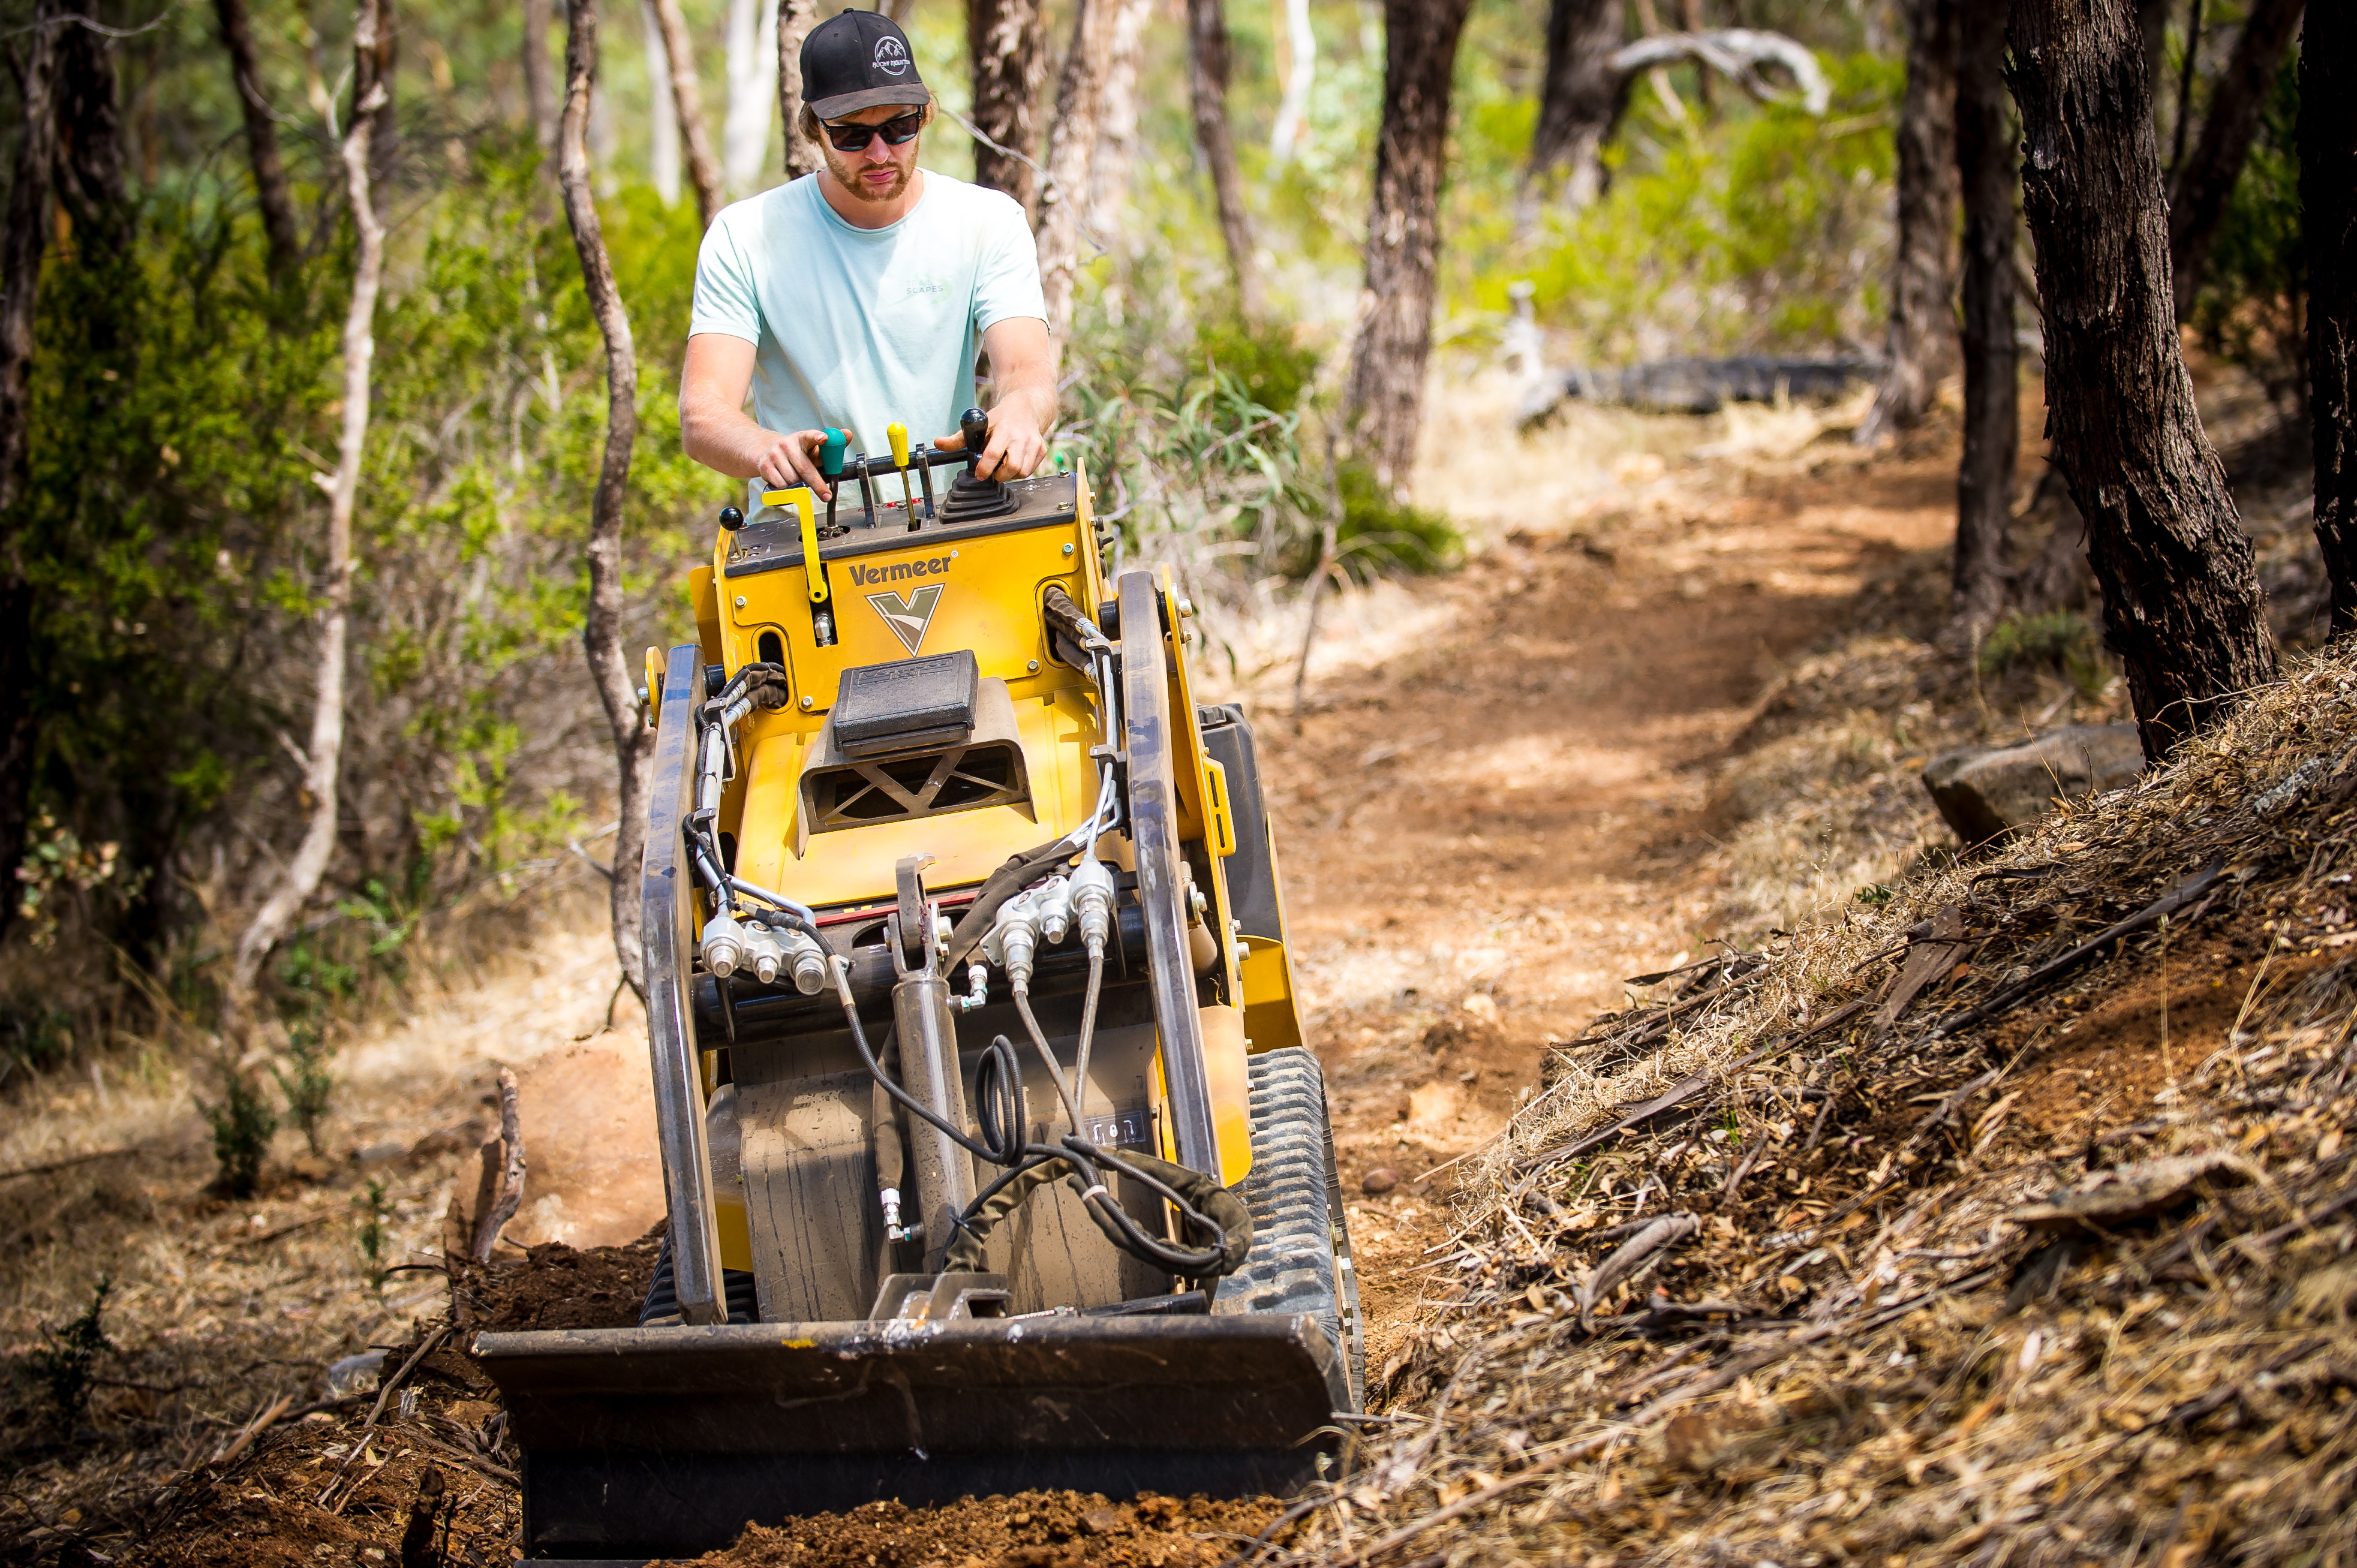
[
  {"x": 1091, "y": 903},
  {"x": 725, "y": 946}
]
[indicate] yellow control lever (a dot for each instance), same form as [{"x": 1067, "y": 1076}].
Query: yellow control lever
[
  {"x": 898, "y": 435},
  {"x": 800, "y": 499}
]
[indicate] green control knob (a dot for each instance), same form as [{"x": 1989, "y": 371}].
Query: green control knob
[{"x": 830, "y": 456}]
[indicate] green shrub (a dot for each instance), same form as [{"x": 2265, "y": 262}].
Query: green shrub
[
  {"x": 1273, "y": 364},
  {"x": 63, "y": 1364},
  {"x": 242, "y": 1123},
  {"x": 1380, "y": 532},
  {"x": 2061, "y": 641},
  {"x": 306, "y": 1081},
  {"x": 372, "y": 1236}
]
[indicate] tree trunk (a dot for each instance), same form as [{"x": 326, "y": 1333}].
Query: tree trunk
[
  {"x": 2182, "y": 126},
  {"x": 1297, "y": 65},
  {"x": 601, "y": 635},
  {"x": 261, "y": 139},
  {"x": 752, "y": 93},
  {"x": 539, "y": 86},
  {"x": 1118, "y": 122},
  {"x": 1207, "y": 84},
  {"x": 1007, "y": 41},
  {"x": 323, "y": 763},
  {"x": 1921, "y": 343},
  {"x": 687, "y": 100},
  {"x": 2181, "y": 604},
  {"x": 2328, "y": 190},
  {"x": 90, "y": 175},
  {"x": 1385, "y": 400},
  {"x": 21, "y": 244},
  {"x": 1986, "y": 167},
  {"x": 385, "y": 139},
  {"x": 2198, "y": 198},
  {"x": 662, "y": 111},
  {"x": 1578, "y": 100},
  {"x": 795, "y": 19},
  {"x": 1071, "y": 149}
]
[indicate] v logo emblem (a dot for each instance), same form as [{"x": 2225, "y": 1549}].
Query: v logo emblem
[{"x": 909, "y": 617}]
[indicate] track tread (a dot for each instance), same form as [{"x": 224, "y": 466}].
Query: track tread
[{"x": 1301, "y": 1260}]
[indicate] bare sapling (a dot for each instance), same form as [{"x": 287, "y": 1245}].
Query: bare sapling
[
  {"x": 601, "y": 633},
  {"x": 323, "y": 760}
]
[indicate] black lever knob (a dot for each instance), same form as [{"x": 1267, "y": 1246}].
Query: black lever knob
[
  {"x": 977, "y": 426},
  {"x": 731, "y": 519}
]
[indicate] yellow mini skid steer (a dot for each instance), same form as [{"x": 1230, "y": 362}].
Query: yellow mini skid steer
[{"x": 994, "y": 1156}]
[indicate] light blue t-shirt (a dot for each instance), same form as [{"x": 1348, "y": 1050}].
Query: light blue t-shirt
[{"x": 858, "y": 327}]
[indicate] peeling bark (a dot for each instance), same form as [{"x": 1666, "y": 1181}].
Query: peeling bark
[
  {"x": 601, "y": 633},
  {"x": 2181, "y": 604}
]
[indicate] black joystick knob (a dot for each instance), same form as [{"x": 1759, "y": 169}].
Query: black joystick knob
[
  {"x": 731, "y": 519},
  {"x": 970, "y": 496}
]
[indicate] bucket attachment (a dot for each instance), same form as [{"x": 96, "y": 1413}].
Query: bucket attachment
[{"x": 651, "y": 1442}]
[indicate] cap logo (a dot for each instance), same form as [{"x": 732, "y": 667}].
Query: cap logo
[{"x": 891, "y": 56}]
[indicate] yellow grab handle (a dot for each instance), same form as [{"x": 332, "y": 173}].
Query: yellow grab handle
[
  {"x": 898, "y": 435},
  {"x": 804, "y": 506},
  {"x": 1223, "y": 815}
]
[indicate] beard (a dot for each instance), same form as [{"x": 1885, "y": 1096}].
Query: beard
[{"x": 849, "y": 174}]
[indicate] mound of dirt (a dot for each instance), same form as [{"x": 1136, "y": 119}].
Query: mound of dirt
[
  {"x": 2008, "y": 1220},
  {"x": 1030, "y": 1529},
  {"x": 556, "y": 1287}
]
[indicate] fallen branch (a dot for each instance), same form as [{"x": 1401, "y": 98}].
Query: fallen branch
[
  {"x": 507, "y": 1195},
  {"x": 253, "y": 1429},
  {"x": 1662, "y": 1233},
  {"x": 376, "y": 1412},
  {"x": 2006, "y": 997},
  {"x": 70, "y": 1161}
]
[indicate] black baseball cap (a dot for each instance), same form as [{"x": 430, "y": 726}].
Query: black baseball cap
[{"x": 858, "y": 60}]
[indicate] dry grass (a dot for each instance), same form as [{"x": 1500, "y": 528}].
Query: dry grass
[{"x": 1848, "y": 1348}]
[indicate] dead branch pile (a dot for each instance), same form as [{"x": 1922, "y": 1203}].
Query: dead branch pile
[{"x": 2007, "y": 1222}]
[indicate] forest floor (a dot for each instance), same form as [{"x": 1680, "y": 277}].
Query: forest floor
[{"x": 1676, "y": 699}]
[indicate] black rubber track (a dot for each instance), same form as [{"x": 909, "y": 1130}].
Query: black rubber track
[
  {"x": 1301, "y": 1260},
  {"x": 661, "y": 1306}
]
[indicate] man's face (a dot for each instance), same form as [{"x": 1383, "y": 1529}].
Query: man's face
[{"x": 878, "y": 171}]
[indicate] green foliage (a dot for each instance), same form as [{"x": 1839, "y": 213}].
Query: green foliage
[
  {"x": 1764, "y": 228},
  {"x": 64, "y": 1363},
  {"x": 306, "y": 1081},
  {"x": 1380, "y": 531},
  {"x": 372, "y": 1234},
  {"x": 242, "y": 1122},
  {"x": 1271, "y": 366},
  {"x": 2251, "y": 306},
  {"x": 2061, "y": 641}
]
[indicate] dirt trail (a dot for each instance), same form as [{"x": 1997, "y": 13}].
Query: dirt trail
[{"x": 1488, "y": 824}]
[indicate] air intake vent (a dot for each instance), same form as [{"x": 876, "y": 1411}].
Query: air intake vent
[{"x": 984, "y": 767}]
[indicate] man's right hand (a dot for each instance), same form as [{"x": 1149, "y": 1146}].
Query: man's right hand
[
  {"x": 715, "y": 429},
  {"x": 791, "y": 461}
]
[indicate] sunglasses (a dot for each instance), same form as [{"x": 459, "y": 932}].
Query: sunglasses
[{"x": 895, "y": 132}]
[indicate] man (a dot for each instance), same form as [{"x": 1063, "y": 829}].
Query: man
[{"x": 855, "y": 297}]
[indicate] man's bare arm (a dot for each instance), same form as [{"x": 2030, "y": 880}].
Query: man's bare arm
[
  {"x": 717, "y": 433},
  {"x": 1023, "y": 372}
]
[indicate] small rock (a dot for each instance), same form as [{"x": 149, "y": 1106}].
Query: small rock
[
  {"x": 1379, "y": 1180},
  {"x": 379, "y": 1155},
  {"x": 345, "y": 1376},
  {"x": 1986, "y": 792},
  {"x": 1099, "y": 1522},
  {"x": 313, "y": 1168}
]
